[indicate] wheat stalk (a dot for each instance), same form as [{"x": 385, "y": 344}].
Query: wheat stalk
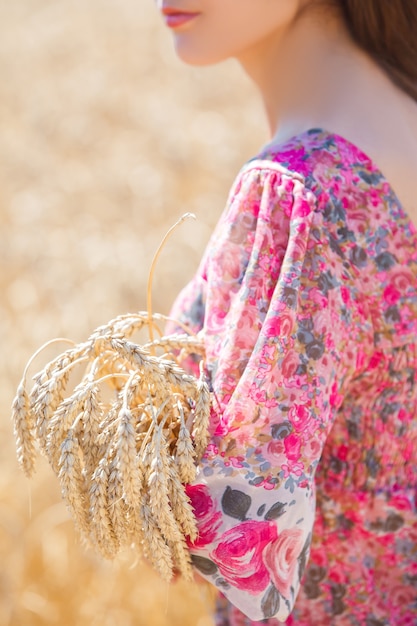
[
  {"x": 124, "y": 438},
  {"x": 152, "y": 270}
]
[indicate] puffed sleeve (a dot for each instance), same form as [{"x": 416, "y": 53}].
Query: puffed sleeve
[
  {"x": 190, "y": 305},
  {"x": 280, "y": 348}
]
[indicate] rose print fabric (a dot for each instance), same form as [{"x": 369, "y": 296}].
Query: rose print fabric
[{"x": 307, "y": 296}]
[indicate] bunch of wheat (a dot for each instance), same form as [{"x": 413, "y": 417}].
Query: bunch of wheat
[{"x": 123, "y": 457}]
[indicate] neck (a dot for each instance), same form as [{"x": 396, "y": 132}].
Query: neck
[{"x": 307, "y": 73}]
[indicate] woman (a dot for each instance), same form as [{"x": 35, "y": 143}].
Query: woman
[{"x": 307, "y": 294}]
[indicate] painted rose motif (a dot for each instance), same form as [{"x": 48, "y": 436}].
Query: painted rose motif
[
  {"x": 300, "y": 417},
  {"x": 402, "y": 278},
  {"x": 239, "y": 555},
  {"x": 208, "y": 517},
  {"x": 292, "y": 445},
  {"x": 391, "y": 294},
  {"x": 280, "y": 558},
  {"x": 274, "y": 452},
  {"x": 289, "y": 364},
  {"x": 279, "y": 326},
  {"x": 215, "y": 319},
  {"x": 312, "y": 448}
]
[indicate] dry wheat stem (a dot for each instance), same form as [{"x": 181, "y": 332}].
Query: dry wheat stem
[
  {"x": 153, "y": 266},
  {"x": 41, "y": 349},
  {"x": 184, "y": 343}
]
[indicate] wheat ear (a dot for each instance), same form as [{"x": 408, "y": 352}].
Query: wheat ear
[
  {"x": 24, "y": 427},
  {"x": 102, "y": 532},
  {"x": 72, "y": 482}
]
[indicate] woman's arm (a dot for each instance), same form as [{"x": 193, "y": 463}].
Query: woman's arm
[{"x": 281, "y": 345}]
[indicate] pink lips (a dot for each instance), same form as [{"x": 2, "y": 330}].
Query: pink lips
[{"x": 175, "y": 18}]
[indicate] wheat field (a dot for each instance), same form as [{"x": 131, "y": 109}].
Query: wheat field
[{"x": 105, "y": 140}]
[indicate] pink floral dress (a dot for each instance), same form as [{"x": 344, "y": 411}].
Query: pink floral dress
[{"x": 306, "y": 497}]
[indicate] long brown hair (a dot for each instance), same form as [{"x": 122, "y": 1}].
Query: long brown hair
[{"x": 387, "y": 31}]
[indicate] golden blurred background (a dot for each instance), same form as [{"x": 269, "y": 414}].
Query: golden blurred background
[{"x": 105, "y": 140}]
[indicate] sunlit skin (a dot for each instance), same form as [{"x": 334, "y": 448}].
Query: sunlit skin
[
  {"x": 309, "y": 73},
  {"x": 226, "y": 28}
]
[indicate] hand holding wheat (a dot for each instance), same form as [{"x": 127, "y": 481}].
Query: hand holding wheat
[{"x": 125, "y": 439}]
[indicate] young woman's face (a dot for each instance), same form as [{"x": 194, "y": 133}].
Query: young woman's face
[{"x": 209, "y": 31}]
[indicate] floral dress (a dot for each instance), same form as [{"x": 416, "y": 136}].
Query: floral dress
[{"x": 306, "y": 497}]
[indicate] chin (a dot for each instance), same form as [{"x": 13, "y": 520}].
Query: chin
[{"x": 196, "y": 56}]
